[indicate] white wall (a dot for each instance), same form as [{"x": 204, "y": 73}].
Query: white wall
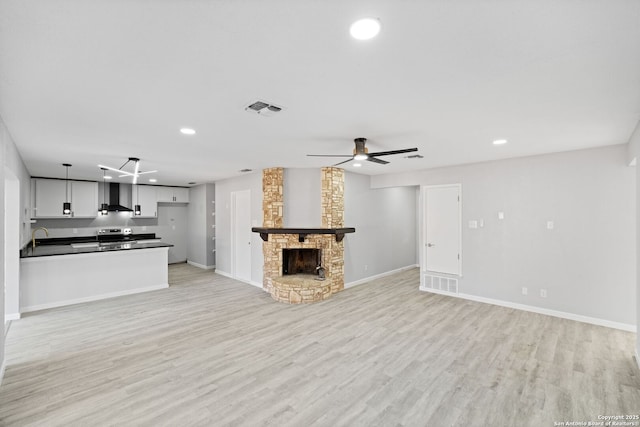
[
  {"x": 385, "y": 223},
  {"x": 223, "y": 190},
  {"x": 302, "y": 198},
  {"x": 587, "y": 263},
  {"x": 11, "y": 163},
  {"x": 633, "y": 153}
]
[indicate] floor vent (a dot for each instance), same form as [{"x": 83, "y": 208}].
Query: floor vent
[{"x": 440, "y": 283}]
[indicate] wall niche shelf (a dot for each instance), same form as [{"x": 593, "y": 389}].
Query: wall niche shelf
[{"x": 303, "y": 232}]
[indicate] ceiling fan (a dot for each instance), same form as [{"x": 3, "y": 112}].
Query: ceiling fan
[
  {"x": 362, "y": 153},
  {"x": 136, "y": 170}
]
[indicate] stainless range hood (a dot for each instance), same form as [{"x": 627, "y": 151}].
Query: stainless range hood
[{"x": 117, "y": 200}]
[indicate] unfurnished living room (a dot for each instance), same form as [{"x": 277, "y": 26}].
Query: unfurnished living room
[{"x": 305, "y": 213}]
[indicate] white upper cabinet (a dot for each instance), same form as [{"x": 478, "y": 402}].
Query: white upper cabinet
[
  {"x": 84, "y": 199},
  {"x": 48, "y": 195},
  {"x": 173, "y": 194},
  {"x": 147, "y": 197},
  {"x": 181, "y": 195}
]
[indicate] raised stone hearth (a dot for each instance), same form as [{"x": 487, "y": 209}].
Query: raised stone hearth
[
  {"x": 300, "y": 288},
  {"x": 303, "y": 288}
]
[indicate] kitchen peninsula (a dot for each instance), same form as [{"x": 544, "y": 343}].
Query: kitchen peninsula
[{"x": 59, "y": 272}]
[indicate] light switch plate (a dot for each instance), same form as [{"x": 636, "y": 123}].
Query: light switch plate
[
  {"x": 549, "y": 225},
  {"x": 500, "y": 215},
  {"x": 473, "y": 224}
]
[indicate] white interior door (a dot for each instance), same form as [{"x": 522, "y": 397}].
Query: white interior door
[
  {"x": 442, "y": 229},
  {"x": 241, "y": 235}
]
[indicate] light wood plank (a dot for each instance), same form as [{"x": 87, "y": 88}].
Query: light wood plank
[{"x": 213, "y": 351}]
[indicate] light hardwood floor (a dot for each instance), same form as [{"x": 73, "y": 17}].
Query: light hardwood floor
[{"x": 212, "y": 351}]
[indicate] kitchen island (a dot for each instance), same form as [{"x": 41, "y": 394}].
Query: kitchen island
[{"x": 55, "y": 275}]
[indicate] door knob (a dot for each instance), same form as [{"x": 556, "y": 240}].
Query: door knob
[{"x": 429, "y": 245}]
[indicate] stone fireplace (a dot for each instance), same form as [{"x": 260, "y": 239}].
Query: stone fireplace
[{"x": 303, "y": 249}]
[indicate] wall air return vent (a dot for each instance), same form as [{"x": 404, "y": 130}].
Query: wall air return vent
[{"x": 263, "y": 108}]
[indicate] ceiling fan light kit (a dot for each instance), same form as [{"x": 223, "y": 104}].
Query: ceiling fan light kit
[{"x": 360, "y": 152}]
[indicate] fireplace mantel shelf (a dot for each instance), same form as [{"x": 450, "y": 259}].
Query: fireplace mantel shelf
[{"x": 303, "y": 232}]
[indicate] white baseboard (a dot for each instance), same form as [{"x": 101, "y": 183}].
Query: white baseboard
[
  {"x": 202, "y": 266},
  {"x": 248, "y": 282},
  {"x": 378, "y": 276},
  {"x": 224, "y": 273},
  {"x": 12, "y": 316},
  {"x": 540, "y": 310},
  {"x": 92, "y": 298}
]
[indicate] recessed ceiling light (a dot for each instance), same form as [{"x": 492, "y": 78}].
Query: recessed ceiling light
[
  {"x": 365, "y": 29},
  {"x": 357, "y": 165},
  {"x": 499, "y": 142},
  {"x": 153, "y": 180},
  {"x": 108, "y": 177},
  {"x": 187, "y": 131}
]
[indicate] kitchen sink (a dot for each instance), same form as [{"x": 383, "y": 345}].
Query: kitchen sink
[{"x": 84, "y": 245}]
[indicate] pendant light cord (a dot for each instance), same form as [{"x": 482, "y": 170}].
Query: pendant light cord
[{"x": 66, "y": 186}]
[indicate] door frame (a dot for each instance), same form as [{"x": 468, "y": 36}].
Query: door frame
[
  {"x": 423, "y": 226},
  {"x": 234, "y": 237}
]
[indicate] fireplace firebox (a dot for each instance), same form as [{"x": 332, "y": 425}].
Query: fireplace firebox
[{"x": 300, "y": 261}]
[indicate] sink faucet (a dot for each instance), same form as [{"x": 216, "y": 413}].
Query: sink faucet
[{"x": 33, "y": 236}]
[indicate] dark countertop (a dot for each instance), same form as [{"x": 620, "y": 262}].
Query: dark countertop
[
  {"x": 89, "y": 239},
  {"x": 51, "y": 249}
]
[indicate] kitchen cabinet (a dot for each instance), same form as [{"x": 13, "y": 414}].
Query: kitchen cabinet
[
  {"x": 48, "y": 195},
  {"x": 147, "y": 197},
  {"x": 84, "y": 199},
  {"x": 173, "y": 194}
]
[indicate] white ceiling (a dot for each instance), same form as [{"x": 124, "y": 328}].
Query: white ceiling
[{"x": 89, "y": 82}]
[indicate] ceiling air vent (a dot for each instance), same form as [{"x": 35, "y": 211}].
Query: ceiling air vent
[{"x": 263, "y": 108}]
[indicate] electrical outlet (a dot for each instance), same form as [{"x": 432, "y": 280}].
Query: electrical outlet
[
  {"x": 500, "y": 215},
  {"x": 144, "y": 228},
  {"x": 366, "y": 267},
  {"x": 525, "y": 291},
  {"x": 75, "y": 231},
  {"x": 549, "y": 225},
  {"x": 543, "y": 293}
]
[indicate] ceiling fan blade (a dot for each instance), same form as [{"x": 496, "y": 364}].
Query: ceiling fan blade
[
  {"x": 330, "y": 155},
  {"x": 348, "y": 160},
  {"x": 374, "y": 160},
  {"x": 388, "y": 153}
]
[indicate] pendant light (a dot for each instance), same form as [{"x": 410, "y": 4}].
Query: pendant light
[
  {"x": 104, "y": 207},
  {"x": 136, "y": 208},
  {"x": 66, "y": 206}
]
